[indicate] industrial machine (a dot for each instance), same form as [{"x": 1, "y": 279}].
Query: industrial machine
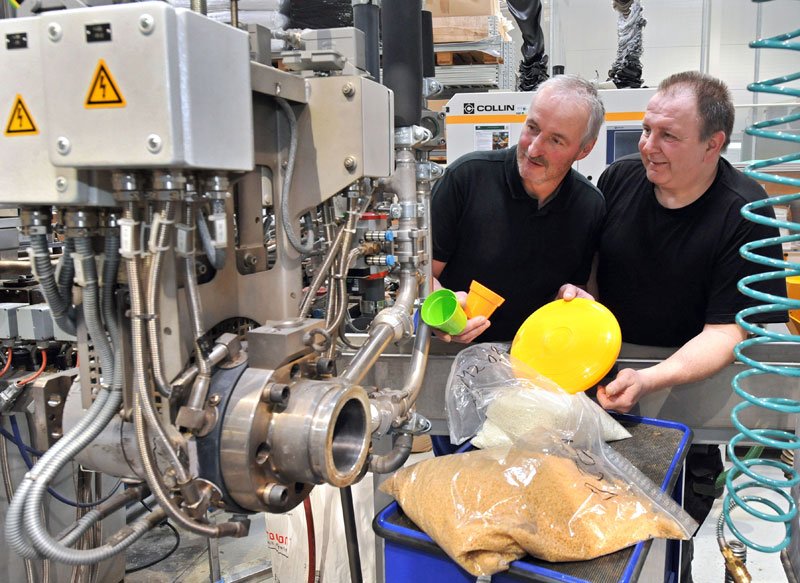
[{"x": 182, "y": 206}]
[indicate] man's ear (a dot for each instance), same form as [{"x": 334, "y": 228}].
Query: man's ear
[
  {"x": 585, "y": 150},
  {"x": 715, "y": 142}
]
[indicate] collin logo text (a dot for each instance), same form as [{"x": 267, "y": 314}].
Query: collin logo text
[{"x": 472, "y": 108}]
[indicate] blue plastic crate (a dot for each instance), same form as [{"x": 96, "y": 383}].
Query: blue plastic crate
[{"x": 410, "y": 556}]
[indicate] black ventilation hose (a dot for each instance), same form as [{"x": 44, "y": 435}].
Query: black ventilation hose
[
  {"x": 428, "y": 57},
  {"x": 401, "y": 21},
  {"x": 533, "y": 67},
  {"x": 366, "y": 18},
  {"x": 528, "y": 14}
]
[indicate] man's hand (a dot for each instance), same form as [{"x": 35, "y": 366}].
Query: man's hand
[
  {"x": 570, "y": 291},
  {"x": 475, "y": 326},
  {"x": 623, "y": 392}
]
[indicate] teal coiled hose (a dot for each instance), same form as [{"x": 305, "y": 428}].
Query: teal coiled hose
[{"x": 766, "y": 437}]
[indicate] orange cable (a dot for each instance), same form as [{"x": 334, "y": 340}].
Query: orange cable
[
  {"x": 8, "y": 361},
  {"x": 35, "y": 375}
]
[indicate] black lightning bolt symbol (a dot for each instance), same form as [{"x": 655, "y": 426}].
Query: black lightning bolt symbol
[
  {"x": 103, "y": 84},
  {"x": 19, "y": 114}
]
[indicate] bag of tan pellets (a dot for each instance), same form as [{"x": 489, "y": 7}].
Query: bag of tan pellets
[
  {"x": 496, "y": 399},
  {"x": 487, "y": 508}
]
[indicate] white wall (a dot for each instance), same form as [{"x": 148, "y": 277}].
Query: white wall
[
  {"x": 584, "y": 40},
  {"x": 587, "y": 39}
]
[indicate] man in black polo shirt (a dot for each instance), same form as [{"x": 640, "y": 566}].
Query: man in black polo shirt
[
  {"x": 521, "y": 221},
  {"x": 669, "y": 257}
]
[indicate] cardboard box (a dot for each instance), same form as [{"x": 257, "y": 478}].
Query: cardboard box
[
  {"x": 462, "y": 7},
  {"x": 437, "y": 104},
  {"x": 459, "y": 29}
]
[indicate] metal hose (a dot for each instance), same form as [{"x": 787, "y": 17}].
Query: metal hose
[
  {"x": 115, "y": 545},
  {"x": 337, "y": 294},
  {"x": 197, "y": 397},
  {"x": 45, "y": 273},
  {"x": 341, "y": 283},
  {"x": 40, "y": 538},
  {"x": 167, "y": 217},
  {"x": 144, "y": 408},
  {"x": 38, "y": 479},
  {"x": 167, "y": 504},
  {"x": 99, "y": 512},
  {"x": 322, "y": 272},
  {"x": 110, "y": 271},
  {"x": 15, "y": 535},
  {"x": 91, "y": 307},
  {"x": 66, "y": 272},
  {"x": 395, "y": 458},
  {"x": 295, "y": 241}
]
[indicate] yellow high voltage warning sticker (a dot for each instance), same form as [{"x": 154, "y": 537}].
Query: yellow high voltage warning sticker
[
  {"x": 20, "y": 122},
  {"x": 104, "y": 91}
]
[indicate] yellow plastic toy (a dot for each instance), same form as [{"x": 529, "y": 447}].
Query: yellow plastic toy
[{"x": 573, "y": 343}]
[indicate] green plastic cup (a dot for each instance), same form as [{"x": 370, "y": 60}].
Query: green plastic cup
[{"x": 441, "y": 310}]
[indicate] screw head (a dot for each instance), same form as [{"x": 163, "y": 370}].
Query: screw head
[
  {"x": 350, "y": 163},
  {"x": 54, "y": 32},
  {"x": 63, "y": 146},
  {"x": 154, "y": 143},
  {"x": 348, "y": 89},
  {"x": 61, "y": 184},
  {"x": 146, "y": 24}
]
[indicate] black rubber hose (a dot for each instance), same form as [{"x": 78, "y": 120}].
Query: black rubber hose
[
  {"x": 428, "y": 57},
  {"x": 401, "y": 21},
  {"x": 528, "y": 14},
  {"x": 351, "y": 533},
  {"x": 366, "y": 18}
]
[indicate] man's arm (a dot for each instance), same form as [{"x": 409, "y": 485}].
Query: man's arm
[
  {"x": 475, "y": 326},
  {"x": 701, "y": 357},
  {"x": 437, "y": 267}
]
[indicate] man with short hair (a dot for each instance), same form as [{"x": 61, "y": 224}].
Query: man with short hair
[
  {"x": 521, "y": 221},
  {"x": 669, "y": 253},
  {"x": 669, "y": 257}
]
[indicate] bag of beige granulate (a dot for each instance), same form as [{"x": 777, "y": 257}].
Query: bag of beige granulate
[{"x": 542, "y": 496}]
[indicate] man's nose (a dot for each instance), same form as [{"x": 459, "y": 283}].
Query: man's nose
[
  {"x": 535, "y": 147},
  {"x": 647, "y": 143}
]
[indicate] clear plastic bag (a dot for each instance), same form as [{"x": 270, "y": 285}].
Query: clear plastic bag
[
  {"x": 500, "y": 398},
  {"x": 554, "y": 500}
]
